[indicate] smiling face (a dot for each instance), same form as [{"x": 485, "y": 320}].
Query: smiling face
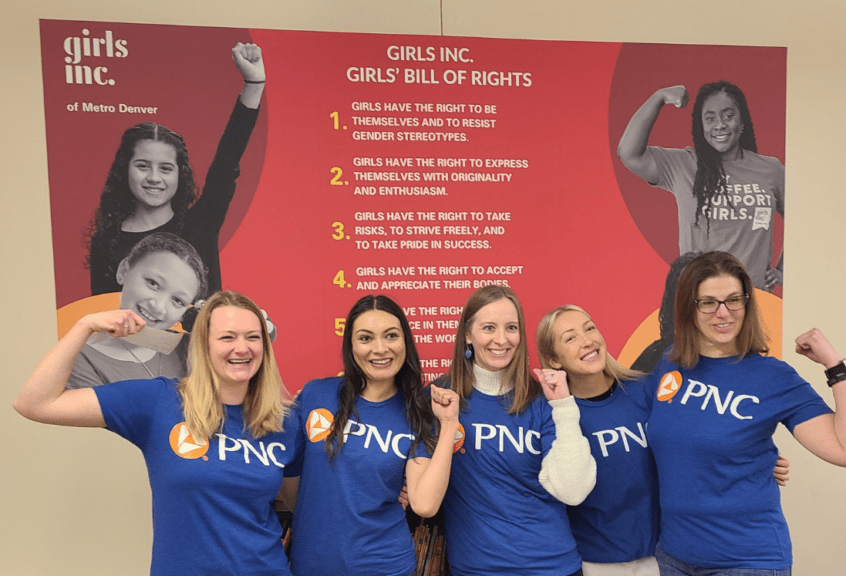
[
  {"x": 718, "y": 331},
  {"x": 235, "y": 345},
  {"x": 579, "y": 346},
  {"x": 378, "y": 346},
  {"x": 159, "y": 287},
  {"x": 153, "y": 174},
  {"x": 722, "y": 125},
  {"x": 495, "y": 335}
]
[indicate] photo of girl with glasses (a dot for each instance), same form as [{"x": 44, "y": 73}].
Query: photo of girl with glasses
[
  {"x": 151, "y": 188},
  {"x": 727, "y": 194},
  {"x": 716, "y": 402},
  {"x": 161, "y": 278}
]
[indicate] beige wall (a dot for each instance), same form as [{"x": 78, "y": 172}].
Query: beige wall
[{"x": 68, "y": 510}]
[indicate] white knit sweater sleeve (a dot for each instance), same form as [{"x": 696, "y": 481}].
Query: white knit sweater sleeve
[{"x": 568, "y": 471}]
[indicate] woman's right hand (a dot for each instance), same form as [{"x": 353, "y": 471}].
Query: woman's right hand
[
  {"x": 675, "y": 95},
  {"x": 444, "y": 404},
  {"x": 117, "y": 323}
]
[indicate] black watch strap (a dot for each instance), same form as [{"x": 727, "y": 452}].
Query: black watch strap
[{"x": 836, "y": 374}]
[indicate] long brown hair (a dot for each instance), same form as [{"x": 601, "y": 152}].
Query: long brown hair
[
  {"x": 517, "y": 372},
  {"x": 265, "y": 404},
  {"x": 751, "y": 339}
]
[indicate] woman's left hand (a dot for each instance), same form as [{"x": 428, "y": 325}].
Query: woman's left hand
[
  {"x": 248, "y": 60},
  {"x": 554, "y": 383},
  {"x": 816, "y": 346},
  {"x": 444, "y": 404}
]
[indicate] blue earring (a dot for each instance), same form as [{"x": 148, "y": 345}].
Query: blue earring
[{"x": 468, "y": 351}]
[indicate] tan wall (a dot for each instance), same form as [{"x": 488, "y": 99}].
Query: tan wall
[{"x": 66, "y": 511}]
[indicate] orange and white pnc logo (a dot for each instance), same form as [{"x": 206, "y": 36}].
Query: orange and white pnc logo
[
  {"x": 668, "y": 387},
  {"x": 459, "y": 439},
  {"x": 319, "y": 424},
  {"x": 184, "y": 445}
]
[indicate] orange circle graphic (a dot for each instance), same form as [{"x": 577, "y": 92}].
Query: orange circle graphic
[
  {"x": 184, "y": 445},
  {"x": 319, "y": 424},
  {"x": 459, "y": 439},
  {"x": 669, "y": 385}
]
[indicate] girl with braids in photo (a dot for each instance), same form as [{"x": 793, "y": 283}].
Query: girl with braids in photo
[
  {"x": 359, "y": 434},
  {"x": 522, "y": 456},
  {"x": 727, "y": 194},
  {"x": 151, "y": 187},
  {"x": 213, "y": 441}
]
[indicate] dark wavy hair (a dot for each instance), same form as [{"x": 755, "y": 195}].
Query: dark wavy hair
[
  {"x": 409, "y": 381},
  {"x": 167, "y": 242},
  {"x": 116, "y": 200},
  {"x": 751, "y": 339},
  {"x": 710, "y": 176}
]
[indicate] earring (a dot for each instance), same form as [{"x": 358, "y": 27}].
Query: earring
[{"x": 468, "y": 351}]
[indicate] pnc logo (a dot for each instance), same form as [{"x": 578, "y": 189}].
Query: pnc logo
[
  {"x": 184, "y": 445},
  {"x": 669, "y": 386},
  {"x": 319, "y": 424},
  {"x": 459, "y": 439}
]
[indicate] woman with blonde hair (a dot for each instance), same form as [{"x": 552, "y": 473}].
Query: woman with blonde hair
[
  {"x": 213, "y": 442},
  {"x": 520, "y": 455},
  {"x": 616, "y": 526}
]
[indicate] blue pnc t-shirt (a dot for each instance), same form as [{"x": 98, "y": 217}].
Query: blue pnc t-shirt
[
  {"x": 618, "y": 521},
  {"x": 498, "y": 517},
  {"x": 212, "y": 501},
  {"x": 348, "y": 520},
  {"x": 711, "y": 432}
]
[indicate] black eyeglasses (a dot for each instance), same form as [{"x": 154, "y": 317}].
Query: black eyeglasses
[{"x": 711, "y": 305}]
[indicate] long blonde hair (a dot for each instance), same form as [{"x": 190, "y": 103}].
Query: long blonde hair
[
  {"x": 517, "y": 372},
  {"x": 265, "y": 404},
  {"x": 546, "y": 345}
]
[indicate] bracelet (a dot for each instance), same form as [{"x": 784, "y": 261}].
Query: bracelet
[
  {"x": 836, "y": 374},
  {"x": 254, "y": 81}
]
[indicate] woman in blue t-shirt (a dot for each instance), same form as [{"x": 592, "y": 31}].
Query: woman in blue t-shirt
[
  {"x": 716, "y": 402},
  {"x": 359, "y": 434},
  {"x": 616, "y": 527},
  {"x": 520, "y": 455},
  {"x": 213, "y": 441}
]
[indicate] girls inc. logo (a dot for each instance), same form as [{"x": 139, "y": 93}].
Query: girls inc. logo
[{"x": 77, "y": 48}]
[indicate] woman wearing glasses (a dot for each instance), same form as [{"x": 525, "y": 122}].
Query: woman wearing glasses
[{"x": 718, "y": 401}]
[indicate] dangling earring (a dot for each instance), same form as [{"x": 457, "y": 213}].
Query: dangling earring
[{"x": 468, "y": 351}]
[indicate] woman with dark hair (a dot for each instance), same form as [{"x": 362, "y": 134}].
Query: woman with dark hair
[
  {"x": 151, "y": 188},
  {"x": 717, "y": 402},
  {"x": 649, "y": 357},
  {"x": 359, "y": 434},
  {"x": 727, "y": 194},
  {"x": 520, "y": 454},
  {"x": 213, "y": 442}
]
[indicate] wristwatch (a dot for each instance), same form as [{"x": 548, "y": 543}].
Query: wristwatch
[{"x": 836, "y": 374}]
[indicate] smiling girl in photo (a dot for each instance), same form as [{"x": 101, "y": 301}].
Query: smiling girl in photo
[
  {"x": 151, "y": 188},
  {"x": 162, "y": 277}
]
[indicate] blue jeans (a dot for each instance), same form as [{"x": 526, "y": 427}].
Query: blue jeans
[{"x": 671, "y": 566}]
